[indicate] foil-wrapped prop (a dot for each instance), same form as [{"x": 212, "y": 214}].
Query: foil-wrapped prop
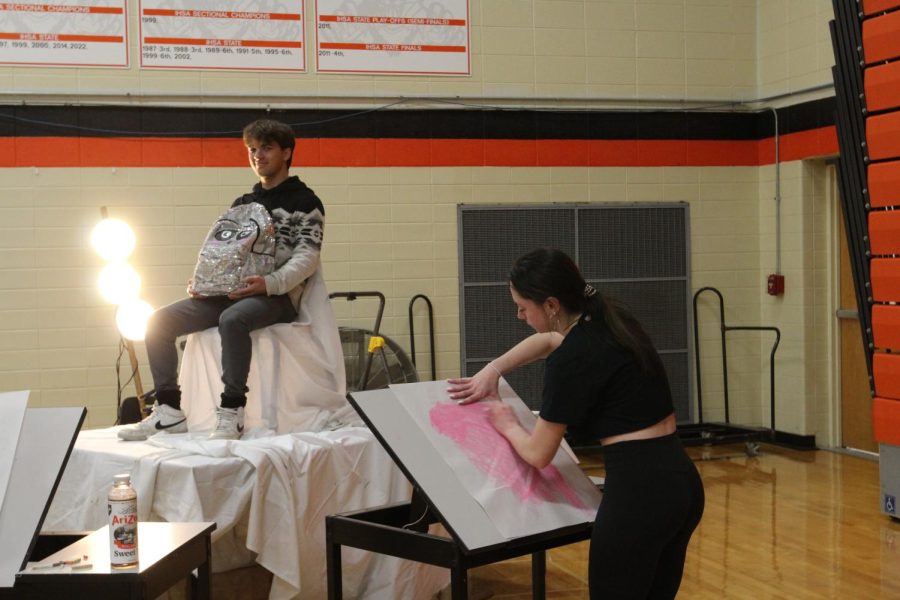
[{"x": 240, "y": 243}]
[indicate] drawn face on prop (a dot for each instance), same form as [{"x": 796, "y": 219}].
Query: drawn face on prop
[{"x": 232, "y": 232}]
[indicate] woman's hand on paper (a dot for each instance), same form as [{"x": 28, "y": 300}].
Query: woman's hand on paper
[{"x": 484, "y": 384}]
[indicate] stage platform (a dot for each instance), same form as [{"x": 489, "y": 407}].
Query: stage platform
[{"x": 268, "y": 494}]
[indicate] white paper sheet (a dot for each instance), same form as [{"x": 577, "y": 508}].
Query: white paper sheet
[
  {"x": 44, "y": 441},
  {"x": 519, "y": 499},
  {"x": 12, "y": 412}
]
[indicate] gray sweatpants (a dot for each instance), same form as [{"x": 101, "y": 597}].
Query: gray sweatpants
[{"x": 235, "y": 319}]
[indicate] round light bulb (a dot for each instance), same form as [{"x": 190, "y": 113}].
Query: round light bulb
[
  {"x": 131, "y": 318},
  {"x": 119, "y": 282},
  {"x": 113, "y": 239}
]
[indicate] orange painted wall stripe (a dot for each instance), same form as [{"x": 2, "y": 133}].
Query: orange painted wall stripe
[
  {"x": 393, "y": 152},
  {"x": 8, "y": 152},
  {"x": 221, "y": 14},
  {"x": 510, "y": 153},
  {"x": 886, "y": 420},
  {"x": 459, "y": 153},
  {"x": 800, "y": 145},
  {"x": 375, "y": 152},
  {"x": 60, "y": 152},
  {"x": 390, "y": 20},
  {"x": 224, "y": 43},
  {"x": 114, "y": 152},
  {"x": 391, "y": 47},
  {"x": 344, "y": 153}
]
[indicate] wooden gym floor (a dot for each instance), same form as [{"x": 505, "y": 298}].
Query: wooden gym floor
[{"x": 784, "y": 524}]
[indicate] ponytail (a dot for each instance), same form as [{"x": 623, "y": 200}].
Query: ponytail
[
  {"x": 545, "y": 272},
  {"x": 629, "y": 333}
]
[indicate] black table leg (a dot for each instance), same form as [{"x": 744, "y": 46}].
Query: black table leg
[
  {"x": 459, "y": 583},
  {"x": 333, "y": 565},
  {"x": 200, "y": 587},
  {"x": 538, "y": 570}
]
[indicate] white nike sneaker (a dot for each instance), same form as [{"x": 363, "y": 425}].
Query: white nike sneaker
[
  {"x": 229, "y": 424},
  {"x": 162, "y": 418}
]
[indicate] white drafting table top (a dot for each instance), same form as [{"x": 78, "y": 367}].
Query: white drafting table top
[
  {"x": 46, "y": 437},
  {"x": 463, "y": 514}
]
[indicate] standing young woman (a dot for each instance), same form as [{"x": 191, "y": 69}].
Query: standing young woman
[{"x": 603, "y": 381}]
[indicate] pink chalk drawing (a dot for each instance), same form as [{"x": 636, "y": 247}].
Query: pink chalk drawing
[{"x": 469, "y": 426}]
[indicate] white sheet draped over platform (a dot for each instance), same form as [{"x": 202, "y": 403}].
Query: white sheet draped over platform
[
  {"x": 269, "y": 497},
  {"x": 296, "y": 375},
  {"x": 304, "y": 455}
]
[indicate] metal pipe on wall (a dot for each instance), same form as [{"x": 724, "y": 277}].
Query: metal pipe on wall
[
  {"x": 217, "y": 99},
  {"x": 777, "y": 196}
]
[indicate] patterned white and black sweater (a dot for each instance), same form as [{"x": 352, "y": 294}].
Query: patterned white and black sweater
[{"x": 299, "y": 219}]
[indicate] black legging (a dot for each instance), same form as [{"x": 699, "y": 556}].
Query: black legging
[{"x": 652, "y": 501}]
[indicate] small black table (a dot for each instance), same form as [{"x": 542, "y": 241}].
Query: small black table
[
  {"x": 383, "y": 530},
  {"x": 167, "y": 553}
]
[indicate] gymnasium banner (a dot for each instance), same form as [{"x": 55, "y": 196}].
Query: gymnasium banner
[
  {"x": 411, "y": 37},
  {"x": 50, "y": 33},
  {"x": 221, "y": 34}
]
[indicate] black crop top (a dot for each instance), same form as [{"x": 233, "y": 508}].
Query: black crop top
[{"x": 596, "y": 387}]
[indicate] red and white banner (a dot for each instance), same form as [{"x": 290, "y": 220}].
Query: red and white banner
[
  {"x": 82, "y": 33},
  {"x": 220, "y": 34},
  {"x": 393, "y": 36}
]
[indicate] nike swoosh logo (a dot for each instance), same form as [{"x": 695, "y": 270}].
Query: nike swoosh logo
[{"x": 162, "y": 427}]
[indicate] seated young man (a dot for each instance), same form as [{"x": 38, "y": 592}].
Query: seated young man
[{"x": 298, "y": 217}]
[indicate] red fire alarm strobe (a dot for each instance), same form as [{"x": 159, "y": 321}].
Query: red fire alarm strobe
[{"x": 775, "y": 285}]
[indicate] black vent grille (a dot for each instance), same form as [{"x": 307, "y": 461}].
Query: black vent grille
[{"x": 637, "y": 254}]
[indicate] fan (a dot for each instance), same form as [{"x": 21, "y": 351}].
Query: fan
[{"x": 387, "y": 364}]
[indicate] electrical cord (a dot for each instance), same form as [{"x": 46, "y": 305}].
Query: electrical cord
[
  {"x": 424, "y": 513},
  {"x": 125, "y": 132},
  {"x": 119, "y": 385}
]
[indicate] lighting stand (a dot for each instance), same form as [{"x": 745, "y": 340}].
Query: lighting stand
[
  {"x": 129, "y": 346},
  {"x": 136, "y": 373}
]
